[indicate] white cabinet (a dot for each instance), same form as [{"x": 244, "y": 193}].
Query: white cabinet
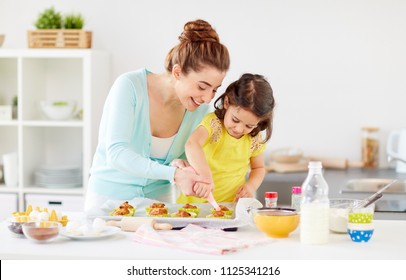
[
  {"x": 56, "y": 202},
  {"x": 8, "y": 204},
  {"x": 51, "y": 74}
]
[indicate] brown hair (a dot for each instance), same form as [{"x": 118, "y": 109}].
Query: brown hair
[
  {"x": 199, "y": 46},
  {"x": 251, "y": 92}
]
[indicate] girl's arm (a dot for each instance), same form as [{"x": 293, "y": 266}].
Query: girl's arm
[
  {"x": 197, "y": 159},
  {"x": 255, "y": 178}
]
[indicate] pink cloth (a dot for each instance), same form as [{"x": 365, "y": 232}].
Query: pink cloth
[{"x": 196, "y": 239}]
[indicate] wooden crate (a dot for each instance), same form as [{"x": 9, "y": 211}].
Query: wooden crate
[{"x": 60, "y": 38}]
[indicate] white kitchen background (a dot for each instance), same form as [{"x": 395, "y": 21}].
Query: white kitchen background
[{"x": 335, "y": 66}]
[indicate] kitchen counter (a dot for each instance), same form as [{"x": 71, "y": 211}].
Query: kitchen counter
[
  {"x": 387, "y": 243},
  {"x": 336, "y": 179}
]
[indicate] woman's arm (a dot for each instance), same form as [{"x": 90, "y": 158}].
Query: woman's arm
[{"x": 125, "y": 134}]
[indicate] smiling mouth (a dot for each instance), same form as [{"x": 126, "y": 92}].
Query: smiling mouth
[{"x": 197, "y": 103}]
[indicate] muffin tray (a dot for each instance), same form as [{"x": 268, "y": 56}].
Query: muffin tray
[{"x": 239, "y": 217}]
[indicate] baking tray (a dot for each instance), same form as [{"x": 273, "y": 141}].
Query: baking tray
[{"x": 240, "y": 216}]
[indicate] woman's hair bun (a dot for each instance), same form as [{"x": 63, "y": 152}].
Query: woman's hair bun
[{"x": 198, "y": 30}]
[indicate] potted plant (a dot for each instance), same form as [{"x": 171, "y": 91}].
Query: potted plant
[
  {"x": 55, "y": 30},
  {"x": 73, "y": 21},
  {"x": 49, "y": 19},
  {"x": 15, "y": 107}
]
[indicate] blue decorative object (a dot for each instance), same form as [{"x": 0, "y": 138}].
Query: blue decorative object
[{"x": 360, "y": 235}]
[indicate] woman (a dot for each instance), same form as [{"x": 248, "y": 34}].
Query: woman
[{"x": 148, "y": 117}]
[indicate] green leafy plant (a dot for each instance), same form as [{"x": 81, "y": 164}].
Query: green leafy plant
[
  {"x": 49, "y": 19},
  {"x": 15, "y": 101},
  {"x": 73, "y": 21}
]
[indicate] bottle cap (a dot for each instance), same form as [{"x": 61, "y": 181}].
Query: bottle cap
[
  {"x": 296, "y": 190},
  {"x": 271, "y": 195}
]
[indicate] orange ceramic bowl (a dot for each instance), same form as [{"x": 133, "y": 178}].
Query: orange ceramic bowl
[{"x": 276, "y": 222}]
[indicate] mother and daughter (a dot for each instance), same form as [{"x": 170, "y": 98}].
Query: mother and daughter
[{"x": 155, "y": 125}]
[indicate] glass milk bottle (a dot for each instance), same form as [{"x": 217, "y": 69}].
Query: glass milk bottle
[{"x": 314, "y": 208}]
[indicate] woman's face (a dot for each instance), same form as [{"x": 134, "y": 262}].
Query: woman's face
[
  {"x": 238, "y": 121},
  {"x": 197, "y": 88}
]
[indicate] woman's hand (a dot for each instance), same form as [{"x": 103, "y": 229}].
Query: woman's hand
[
  {"x": 180, "y": 163},
  {"x": 186, "y": 179}
]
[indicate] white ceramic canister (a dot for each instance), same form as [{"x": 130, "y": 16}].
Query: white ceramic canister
[
  {"x": 10, "y": 169},
  {"x": 396, "y": 149}
]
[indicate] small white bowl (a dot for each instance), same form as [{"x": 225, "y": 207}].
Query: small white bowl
[
  {"x": 287, "y": 155},
  {"x": 58, "y": 110}
]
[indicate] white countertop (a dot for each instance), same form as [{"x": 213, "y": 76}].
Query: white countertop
[{"x": 388, "y": 242}]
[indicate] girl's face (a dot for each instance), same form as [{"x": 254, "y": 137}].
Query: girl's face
[
  {"x": 238, "y": 121},
  {"x": 197, "y": 87}
]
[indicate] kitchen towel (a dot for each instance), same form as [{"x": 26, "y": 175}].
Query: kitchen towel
[{"x": 195, "y": 238}]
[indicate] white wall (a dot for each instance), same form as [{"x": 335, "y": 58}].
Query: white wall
[{"x": 335, "y": 66}]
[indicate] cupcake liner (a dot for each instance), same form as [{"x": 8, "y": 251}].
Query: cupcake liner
[
  {"x": 360, "y": 218},
  {"x": 360, "y": 235}
]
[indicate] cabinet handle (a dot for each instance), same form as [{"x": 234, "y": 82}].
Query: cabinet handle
[{"x": 54, "y": 202}]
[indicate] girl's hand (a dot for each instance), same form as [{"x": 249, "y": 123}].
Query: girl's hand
[
  {"x": 186, "y": 178},
  {"x": 245, "y": 191},
  {"x": 202, "y": 189}
]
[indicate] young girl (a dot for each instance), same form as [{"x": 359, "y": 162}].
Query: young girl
[{"x": 227, "y": 143}]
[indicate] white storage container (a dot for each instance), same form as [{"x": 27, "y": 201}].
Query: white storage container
[
  {"x": 8, "y": 204},
  {"x": 57, "y": 202}
]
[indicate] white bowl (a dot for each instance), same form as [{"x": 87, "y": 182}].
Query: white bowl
[
  {"x": 287, "y": 155},
  {"x": 58, "y": 110},
  {"x": 340, "y": 208}
]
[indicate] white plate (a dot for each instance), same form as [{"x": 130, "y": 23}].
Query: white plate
[{"x": 109, "y": 231}]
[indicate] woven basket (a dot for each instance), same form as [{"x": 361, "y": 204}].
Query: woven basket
[{"x": 60, "y": 38}]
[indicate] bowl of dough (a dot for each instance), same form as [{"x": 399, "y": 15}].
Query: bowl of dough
[{"x": 340, "y": 209}]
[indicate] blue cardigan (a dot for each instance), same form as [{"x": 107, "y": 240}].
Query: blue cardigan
[{"x": 122, "y": 167}]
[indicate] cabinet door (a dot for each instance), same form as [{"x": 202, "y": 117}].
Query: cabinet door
[
  {"x": 55, "y": 202},
  {"x": 8, "y": 205}
]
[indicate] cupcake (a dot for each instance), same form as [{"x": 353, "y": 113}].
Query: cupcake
[
  {"x": 219, "y": 215},
  {"x": 158, "y": 212},
  {"x": 124, "y": 209},
  {"x": 190, "y": 208},
  {"x": 155, "y": 205},
  {"x": 224, "y": 209},
  {"x": 183, "y": 214}
]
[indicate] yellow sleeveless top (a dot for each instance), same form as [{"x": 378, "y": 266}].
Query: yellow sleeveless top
[{"x": 228, "y": 158}]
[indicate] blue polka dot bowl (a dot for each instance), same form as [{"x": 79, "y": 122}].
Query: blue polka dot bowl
[{"x": 360, "y": 232}]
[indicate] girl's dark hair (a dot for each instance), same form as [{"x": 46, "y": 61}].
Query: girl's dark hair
[
  {"x": 253, "y": 93},
  {"x": 199, "y": 46}
]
